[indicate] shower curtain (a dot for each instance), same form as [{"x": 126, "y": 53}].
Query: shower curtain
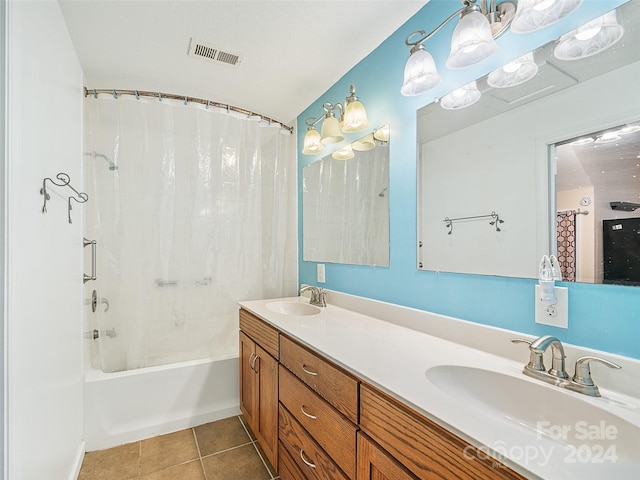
[
  {"x": 566, "y": 234},
  {"x": 197, "y": 214}
]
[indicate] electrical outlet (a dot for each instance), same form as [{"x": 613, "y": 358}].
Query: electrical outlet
[
  {"x": 320, "y": 272},
  {"x": 556, "y": 315}
]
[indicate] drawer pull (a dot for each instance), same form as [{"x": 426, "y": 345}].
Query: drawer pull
[
  {"x": 253, "y": 364},
  {"x": 312, "y": 417},
  {"x": 309, "y": 372},
  {"x": 307, "y": 462}
]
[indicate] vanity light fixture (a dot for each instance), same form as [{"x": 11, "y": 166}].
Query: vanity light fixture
[
  {"x": 590, "y": 39},
  {"x": 352, "y": 118},
  {"x": 461, "y": 97},
  {"x": 627, "y": 129},
  {"x": 608, "y": 137},
  {"x": 344, "y": 153},
  {"x": 365, "y": 144},
  {"x": 312, "y": 144},
  {"x": 583, "y": 141},
  {"x": 473, "y": 39},
  {"x": 514, "y": 73}
]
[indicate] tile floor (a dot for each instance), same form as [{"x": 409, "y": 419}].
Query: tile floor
[{"x": 215, "y": 451}]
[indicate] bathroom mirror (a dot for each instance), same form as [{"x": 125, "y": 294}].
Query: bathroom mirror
[
  {"x": 345, "y": 204},
  {"x": 490, "y": 167}
]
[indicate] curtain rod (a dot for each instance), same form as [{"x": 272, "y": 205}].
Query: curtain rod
[
  {"x": 573, "y": 212},
  {"x": 185, "y": 99}
]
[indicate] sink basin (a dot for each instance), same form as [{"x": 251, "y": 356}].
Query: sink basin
[
  {"x": 293, "y": 308},
  {"x": 577, "y": 424}
]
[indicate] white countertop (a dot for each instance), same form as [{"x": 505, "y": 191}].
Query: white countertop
[{"x": 396, "y": 358}]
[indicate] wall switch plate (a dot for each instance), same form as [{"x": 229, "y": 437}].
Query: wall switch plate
[
  {"x": 320, "y": 272},
  {"x": 556, "y": 315}
]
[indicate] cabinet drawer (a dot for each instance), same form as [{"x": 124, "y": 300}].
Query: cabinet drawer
[
  {"x": 335, "y": 386},
  {"x": 287, "y": 467},
  {"x": 312, "y": 460},
  {"x": 375, "y": 464},
  {"x": 332, "y": 430},
  {"x": 263, "y": 333},
  {"x": 425, "y": 448}
]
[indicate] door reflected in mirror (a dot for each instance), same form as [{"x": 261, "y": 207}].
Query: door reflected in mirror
[{"x": 345, "y": 204}]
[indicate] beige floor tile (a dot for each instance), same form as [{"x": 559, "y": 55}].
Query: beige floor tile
[
  {"x": 166, "y": 450},
  {"x": 186, "y": 471},
  {"x": 217, "y": 436},
  {"x": 118, "y": 463},
  {"x": 242, "y": 463},
  {"x": 246, "y": 425}
]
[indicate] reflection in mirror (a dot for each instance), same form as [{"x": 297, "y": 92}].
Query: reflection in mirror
[
  {"x": 345, "y": 204},
  {"x": 597, "y": 202},
  {"x": 493, "y": 156}
]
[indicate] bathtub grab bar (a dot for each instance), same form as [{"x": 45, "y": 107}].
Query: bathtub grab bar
[
  {"x": 174, "y": 283},
  {"x": 85, "y": 242}
]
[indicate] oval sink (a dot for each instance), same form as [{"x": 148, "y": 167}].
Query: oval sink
[
  {"x": 548, "y": 411},
  {"x": 293, "y": 308}
]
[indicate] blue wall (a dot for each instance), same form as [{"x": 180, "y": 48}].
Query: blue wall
[{"x": 603, "y": 317}]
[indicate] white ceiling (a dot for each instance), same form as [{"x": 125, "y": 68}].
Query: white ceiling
[{"x": 293, "y": 50}]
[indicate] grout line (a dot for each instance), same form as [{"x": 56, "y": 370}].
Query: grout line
[
  {"x": 228, "y": 449},
  {"x": 195, "y": 437},
  {"x": 140, "y": 458},
  {"x": 255, "y": 445}
]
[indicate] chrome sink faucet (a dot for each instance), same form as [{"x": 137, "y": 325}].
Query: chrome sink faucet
[
  {"x": 557, "y": 354},
  {"x": 317, "y": 295},
  {"x": 581, "y": 381}
]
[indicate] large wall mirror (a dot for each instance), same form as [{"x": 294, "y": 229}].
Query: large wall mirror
[
  {"x": 345, "y": 204},
  {"x": 487, "y": 199}
]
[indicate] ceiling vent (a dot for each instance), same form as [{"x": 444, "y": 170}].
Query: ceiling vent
[{"x": 213, "y": 53}]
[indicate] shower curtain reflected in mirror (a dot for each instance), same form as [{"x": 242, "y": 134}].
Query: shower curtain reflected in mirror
[{"x": 198, "y": 215}]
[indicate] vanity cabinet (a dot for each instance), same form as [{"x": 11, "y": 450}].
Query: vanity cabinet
[
  {"x": 316, "y": 421},
  {"x": 259, "y": 351},
  {"x": 318, "y": 414},
  {"x": 421, "y": 446}
]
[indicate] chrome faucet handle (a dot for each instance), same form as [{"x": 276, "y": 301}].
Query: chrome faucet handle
[
  {"x": 536, "y": 362},
  {"x": 582, "y": 375}
]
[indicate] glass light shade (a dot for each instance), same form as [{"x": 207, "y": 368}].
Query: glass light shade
[
  {"x": 461, "y": 98},
  {"x": 629, "y": 129},
  {"x": 345, "y": 153},
  {"x": 312, "y": 144},
  {"x": 590, "y": 39},
  {"x": 514, "y": 73},
  {"x": 355, "y": 117},
  {"x": 382, "y": 134},
  {"x": 608, "y": 137},
  {"x": 420, "y": 73},
  {"x": 365, "y": 144},
  {"x": 331, "y": 131},
  {"x": 532, "y": 15},
  {"x": 471, "y": 42}
]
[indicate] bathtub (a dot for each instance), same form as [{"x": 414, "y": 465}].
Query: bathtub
[{"x": 128, "y": 406}]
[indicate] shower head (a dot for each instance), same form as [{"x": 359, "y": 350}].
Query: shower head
[{"x": 112, "y": 166}]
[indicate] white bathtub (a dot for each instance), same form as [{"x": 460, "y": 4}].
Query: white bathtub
[{"x": 128, "y": 406}]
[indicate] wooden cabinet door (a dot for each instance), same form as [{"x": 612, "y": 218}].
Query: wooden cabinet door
[
  {"x": 266, "y": 430},
  {"x": 248, "y": 405},
  {"x": 375, "y": 464}
]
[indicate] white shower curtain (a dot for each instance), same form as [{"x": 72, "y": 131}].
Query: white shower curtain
[{"x": 198, "y": 215}]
